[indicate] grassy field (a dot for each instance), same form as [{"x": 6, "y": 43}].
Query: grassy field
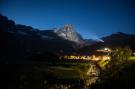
[
  {"x": 44, "y": 75},
  {"x": 68, "y": 70},
  {"x": 61, "y": 72},
  {"x": 132, "y": 58},
  {"x": 72, "y": 70}
]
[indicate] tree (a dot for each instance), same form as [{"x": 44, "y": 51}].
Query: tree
[
  {"x": 119, "y": 57},
  {"x": 119, "y": 72}
]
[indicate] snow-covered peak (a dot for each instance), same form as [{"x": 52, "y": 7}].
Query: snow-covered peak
[{"x": 67, "y": 32}]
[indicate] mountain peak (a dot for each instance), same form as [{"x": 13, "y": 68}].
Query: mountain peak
[
  {"x": 67, "y": 32},
  {"x": 66, "y": 28}
]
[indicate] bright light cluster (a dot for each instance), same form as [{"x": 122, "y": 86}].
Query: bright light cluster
[
  {"x": 81, "y": 57},
  {"x": 104, "y": 50}
]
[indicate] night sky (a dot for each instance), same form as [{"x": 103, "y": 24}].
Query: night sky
[{"x": 91, "y": 18}]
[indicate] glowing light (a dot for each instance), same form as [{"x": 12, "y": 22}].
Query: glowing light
[
  {"x": 106, "y": 49},
  {"x": 101, "y": 40},
  {"x": 92, "y": 57},
  {"x": 134, "y": 54}
]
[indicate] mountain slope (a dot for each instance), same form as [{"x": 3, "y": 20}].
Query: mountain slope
[
  {"x": 20, "y": 41},
  {"x": 118, "y": 39}
]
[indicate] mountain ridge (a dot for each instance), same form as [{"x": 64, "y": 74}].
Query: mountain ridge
[
  {"x": 114, "y": 40},
  {"x": 21, "y": 41}
]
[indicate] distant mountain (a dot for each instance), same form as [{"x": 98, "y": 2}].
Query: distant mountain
[
  {"x": 118, "y": 35},
  {"x": 89, "y": 42},
  {"x": 118, "y": 39},
  {"x": 67, "y": 32},
  {"x": 21, "y": 41}
]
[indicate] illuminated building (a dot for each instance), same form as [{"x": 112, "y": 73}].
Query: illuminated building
[{"x": 101, "y": 54}]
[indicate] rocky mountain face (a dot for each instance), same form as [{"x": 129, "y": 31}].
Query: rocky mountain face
[{"x": 67, "y": 32}]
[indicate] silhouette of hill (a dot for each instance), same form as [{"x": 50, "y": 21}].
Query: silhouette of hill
[
  {"x": 118, "y": 39},
  {"x": 20, "y": 41}
]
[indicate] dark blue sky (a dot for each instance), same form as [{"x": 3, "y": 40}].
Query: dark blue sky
[{"x": 91, "y": 18}]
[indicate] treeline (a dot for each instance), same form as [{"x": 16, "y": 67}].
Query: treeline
[{"x": 119, "y": 72}]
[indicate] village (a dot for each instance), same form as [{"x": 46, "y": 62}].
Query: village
[{"x": 100, "y": 54}]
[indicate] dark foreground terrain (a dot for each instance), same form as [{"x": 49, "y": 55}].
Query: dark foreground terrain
[
  {"x": 59, "y": 76},
  {"x": 124, "y": 79},
  {"x": 45, "y": 75}
]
